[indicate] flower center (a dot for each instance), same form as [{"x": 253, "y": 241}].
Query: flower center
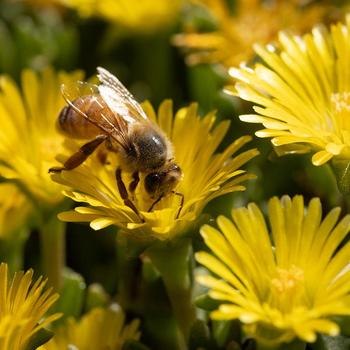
[
  {"x": 287, "y": 287},
  {"x": 287, "y": 280}
]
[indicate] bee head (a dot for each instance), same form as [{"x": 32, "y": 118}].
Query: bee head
[{"x": 163, "y": 181}]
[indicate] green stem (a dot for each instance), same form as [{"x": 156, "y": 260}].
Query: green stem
[
  {"x": 52, "y": 234},
  {"x": 341, "y": 170},
  {"x": 129, "y": 269},
  {"x": 173, "y": 262},
  {"x": 11, "y": 249}
]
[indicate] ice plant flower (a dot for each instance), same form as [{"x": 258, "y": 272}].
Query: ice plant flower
[
  {"x": 284, "y": 278},
  {"x": 302, "y": 92},
  {"x": 23, "y": 305},
  {"x": 138, "y": 16},
  {"x": 29, "y": 140},
  {"x": 100, "y": 329},
  {"x": 206, "y": 175},
  {"x": 252, "y": 21}
]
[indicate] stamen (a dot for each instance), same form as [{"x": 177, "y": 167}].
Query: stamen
[
  {"x": 340, "y": 114},
  {"x": 287, "y": 287},
  {"x": 288, "y": 280},
  {"x": 341, "y": 102}
]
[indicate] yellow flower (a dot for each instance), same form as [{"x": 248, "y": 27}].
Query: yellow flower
[
  {"x": 135, "y": 15},
  {"x": 282, "y": 279},
  {"x": 23, "y": 305},
  {"x": 100, "y": 329},
  {"x": 253, "y": 21},
  {"x": 28, "y": 137},
  {"x": 14, "y": 210},
  {"x": 206, "y": 176},
  {"x": 303, "y": 93}
]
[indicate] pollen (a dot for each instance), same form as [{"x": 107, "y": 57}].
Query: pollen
[
  {"x": 287, "y": 287},
  {"x": 341, "y": 110},
  {"x": 288, "y": 281},
  {"x": 341, "y": 102}
]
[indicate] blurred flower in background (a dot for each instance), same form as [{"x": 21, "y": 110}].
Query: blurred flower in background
[
  {"x": 302, "y": 94},
  {"x": 137, "y": 15},
  {"x": 14, "y": 210},
  {"x": 29, "y": 140},
  {"x": 15, "y": 214},
  {"x": 99, "y": 329},
  {"x": 206, "y": 176},
  {"x": 238, "y": 29},
  {"x": 29, "y": 143},
  {"x": 23, "y": 305},
  {"x": 284, "y": 286}
]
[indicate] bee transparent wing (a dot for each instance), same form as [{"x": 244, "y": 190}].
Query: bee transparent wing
[
  {"x": 71, "y": 92},
  {"x": 110, "y": 124},
  {"x": 119, "y": 99}
]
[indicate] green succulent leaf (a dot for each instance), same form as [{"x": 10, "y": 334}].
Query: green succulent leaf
[
  {"x": 199, "y": 336},
  {"x": 72, "y": 295},
  {"x": 341, "y": 170},
  {"x": 204, "y": 302},
  {"x": 39, "y": 338},
  {"x": 325, "y": 342}
]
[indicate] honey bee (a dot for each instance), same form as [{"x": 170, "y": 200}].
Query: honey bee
[{"x": 109, "y": 114}]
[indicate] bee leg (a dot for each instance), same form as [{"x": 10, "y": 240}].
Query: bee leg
[
  {"x": 80, "y": 156},
  {"x": 181, "y": 203},
  {"x": 124, "y": 194},
  {"x": 155, "y": 202},
  {"x": 133, "y": 184},
  {"x": 102, "y": 156},
  {"x": 160, "y": 198}
]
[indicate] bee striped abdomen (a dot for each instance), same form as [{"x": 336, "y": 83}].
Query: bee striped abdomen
[{"x": 72, "y": 123}]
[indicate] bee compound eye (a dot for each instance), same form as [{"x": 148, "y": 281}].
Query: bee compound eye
[{"x": 152, "y": 182}]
